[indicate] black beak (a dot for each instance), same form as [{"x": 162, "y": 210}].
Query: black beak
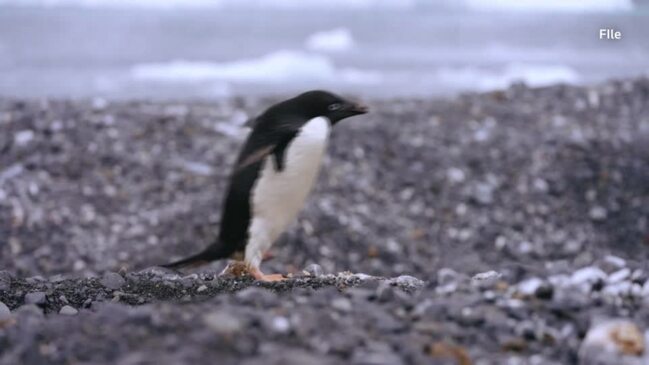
[{"x": 358, "y": 108}]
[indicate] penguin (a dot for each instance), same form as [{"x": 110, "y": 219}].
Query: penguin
[{"x": 272, "y": 177}]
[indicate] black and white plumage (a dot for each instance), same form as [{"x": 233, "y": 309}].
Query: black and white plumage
[{"x": 273, "y": 175}]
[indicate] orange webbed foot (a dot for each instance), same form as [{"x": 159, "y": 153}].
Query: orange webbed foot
[{"x": 258, "y": 275}]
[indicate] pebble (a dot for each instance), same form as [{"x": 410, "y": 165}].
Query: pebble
[
  {"x": 376, "y": 358},
  {"x": 22, "y": 138},
  {"x": 619, "y": 276},
  {"x": 29, "y": 309},
  {"x": 455, "y": 175},
  {"x": 484, "y": 193},
  {"x": 587, "y": 275},
  {"x": 447, "y": 276},
  {"x": 280, "y": 324},
  {"x": 407, "y": 282},
  {"x": 5, "y": 280},
  {"x": 342, "y": 304},
  {"x": 68, "y": 310},
  {"x": 598, "y": 213},
  {"x": 5, "y": 313},
  {"x": 112, "y": 280},
  {"x": 486, "y": 279},
  {"x": 314, "y": 270},
  {"x": 257, "y": 296},
  {"x": 201, "y": 289},
  {"x": 615, "y": 261},
  {"x": 529, "y": 286},
  {"x": 223, "y": 323},
  {"x": 35, "y": 298},
  {"x": 614, "y": 342}
]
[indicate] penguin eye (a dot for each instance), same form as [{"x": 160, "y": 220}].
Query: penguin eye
[{"x": 335, "y": 106}]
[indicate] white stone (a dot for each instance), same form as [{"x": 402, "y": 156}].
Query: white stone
[
  {"x": 529, "y": 286},
  {"x": 598, "y": 213},
  {"x": 407, "y": 281},
  {"x": 587, "y": 275},
  {"x": 487, "y": 275},
  {"x": 281, "y": 324},
  {"x": 455, "y": 175},
  {"x": 619, "y": 276},
  {"x": 23, "y": 137},
  {"x": 615, "y": 261}
]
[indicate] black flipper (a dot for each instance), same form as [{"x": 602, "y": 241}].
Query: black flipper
[{"x": 280, "y": 150}]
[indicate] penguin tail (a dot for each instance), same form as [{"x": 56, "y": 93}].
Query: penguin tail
[{"x": 200, "y": 259}]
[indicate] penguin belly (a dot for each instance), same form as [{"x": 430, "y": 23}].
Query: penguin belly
[{"x": 278, "y": 196}]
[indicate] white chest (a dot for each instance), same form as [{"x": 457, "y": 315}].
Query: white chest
[{"x": 279, "y": 195}]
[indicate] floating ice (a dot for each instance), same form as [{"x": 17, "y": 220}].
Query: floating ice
[
  {"x": 276, "y": 67},
  {"x": 484, "y": 79}
]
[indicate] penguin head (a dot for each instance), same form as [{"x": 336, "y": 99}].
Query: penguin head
[{"x": 318, "y": 103}]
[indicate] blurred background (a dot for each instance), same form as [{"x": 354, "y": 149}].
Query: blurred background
[{"x": 182, "y": 49}]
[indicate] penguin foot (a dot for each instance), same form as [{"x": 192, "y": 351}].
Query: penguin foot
[
  {"x": 236, "y": 269},
  {"x": 258, "y": 275}
]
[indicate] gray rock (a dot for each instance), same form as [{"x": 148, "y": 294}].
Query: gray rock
[
  {"x": 35, "y": 279},
  {"x": 28, "y": 310},
  {"x": 407, "y": 282},
  {"x": 68, "y": 310},
  {"x": 314, "y": 270},
  {"x": 112, "y": 280},
  {"x": 278, "y": 324},
  {"x": 223, "y": 322},
  {"x": 5, "y": 313},
  {"x": 376, "y": 358},
  {"x": 385, "y": 292},
  {"x": 342, "y": 304},
  {"x": 598, "y": 213},
  {"x": 5, "y": 280},
  {"x": 289, "y": 357},
  {"x": 483, "y": 193},
  {"x": 487, "y": 276},
  {"x": 257, "y": 296},
  {"x": 447, "y": 276},
  {"x": 201, "y": 288},
  {"x": 38, "y": 298}
]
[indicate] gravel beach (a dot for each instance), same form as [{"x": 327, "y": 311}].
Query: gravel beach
[{"x": 495, "y": 228}]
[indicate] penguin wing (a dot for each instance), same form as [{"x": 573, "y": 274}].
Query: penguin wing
[{"x": 275, "y": 144}]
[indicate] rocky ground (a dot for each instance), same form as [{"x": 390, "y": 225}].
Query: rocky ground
[{"x": 514, "y": 225}]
